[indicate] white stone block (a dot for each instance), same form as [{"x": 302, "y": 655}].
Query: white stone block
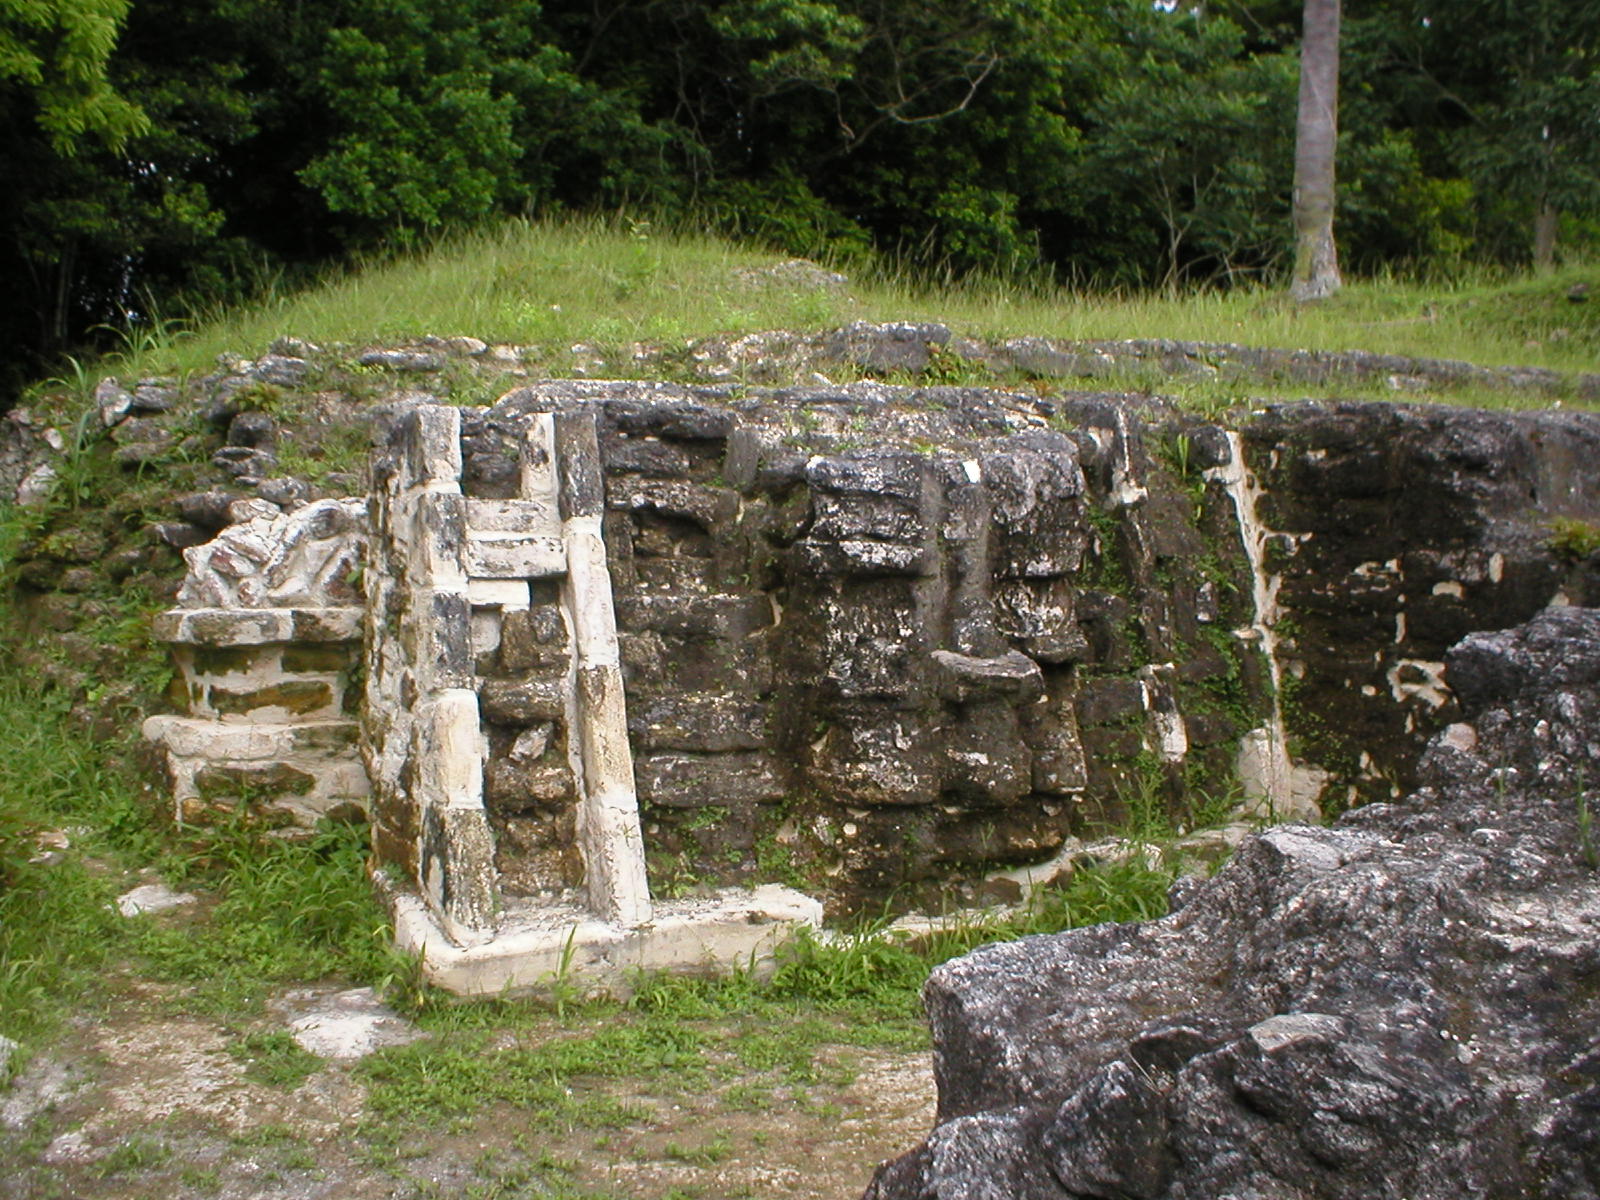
[
  {"x": 485, "y": 630},
  {"x": 498, "y": 593},
  {"x": 537, "y": 461},
  {"x": 536, "y": 946},
  {"x": 514, "y": 516},
  {"x": 449, "y": 751},
  {"x": 515, "y": 556}
]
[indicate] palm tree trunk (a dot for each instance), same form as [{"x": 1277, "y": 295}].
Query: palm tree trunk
[
  {"x": 1545, "y": 224},
  {"x": 1316, "y": 260}
]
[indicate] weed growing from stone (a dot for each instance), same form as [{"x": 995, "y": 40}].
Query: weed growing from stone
[
  {"x": 1587, "y": 848},
  {"x": 1573, "y": 540},
  {"x": 135, "y": 1154},
  {"x": 707, "y": 1154}
]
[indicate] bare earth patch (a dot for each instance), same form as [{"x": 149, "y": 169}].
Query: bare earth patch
[{"x": 144, "y": 1099}]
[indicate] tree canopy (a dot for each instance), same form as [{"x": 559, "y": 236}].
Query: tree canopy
[{"x": 187, "y": 149}]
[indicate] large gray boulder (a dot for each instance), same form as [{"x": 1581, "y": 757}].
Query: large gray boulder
[{"x": 1406, "y": 1004}]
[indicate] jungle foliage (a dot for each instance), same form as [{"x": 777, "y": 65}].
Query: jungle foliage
[{"x": 163, "y": 154}]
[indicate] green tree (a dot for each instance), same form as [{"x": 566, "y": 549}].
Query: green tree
[
  {"x": 57, "y": 106},
  {"x": 1506, "y": 96},
  {"x": 1180, "y": 172},
  {"x": 53, "y": 56}
]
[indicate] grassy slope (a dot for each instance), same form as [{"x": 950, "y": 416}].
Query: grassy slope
[{"x": 552, "y": 285}]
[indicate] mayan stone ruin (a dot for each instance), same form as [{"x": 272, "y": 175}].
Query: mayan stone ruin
[{"x": 633, "y": 674}]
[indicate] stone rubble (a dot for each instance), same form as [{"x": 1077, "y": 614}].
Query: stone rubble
[{"x": 152, "y": 898}]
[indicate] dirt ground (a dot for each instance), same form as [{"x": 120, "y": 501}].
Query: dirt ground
[{"x": 145, "y": 1099}]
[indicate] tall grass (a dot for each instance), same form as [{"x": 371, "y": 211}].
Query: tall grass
[
  {"x": 612, "y": 282},
  {"x": 542, "y": 283},
  {"x": 283, "y": 909},
  {"x": 57, "y": 923}
]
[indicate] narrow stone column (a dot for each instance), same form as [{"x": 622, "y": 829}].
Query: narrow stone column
[
  {"x": 608, "y": 812},
  {"x": 455, "y": 847}
]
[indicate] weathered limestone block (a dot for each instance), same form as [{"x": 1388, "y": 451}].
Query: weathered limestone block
[
  {"x": 304, "y": 559},
  {"x": 1040, "y": 616},
  {"x": 303, "y": 783},
  {"x": 456, "y": 851},
  {"x": 677, "y": 417},
  {"x": 253, "y": 627},
  {"x": 512, "y": 786},
  {"x": 844, "y": 518},
  {"x": 1050, "y": 731},
  {"x": 646, "y": 456},
  {"x": 436, "y": 638},
  {"x": 537, "y": 855},
  {"x": 719, "y": 616},
  {"x": 496, "y": 555},
  {"x": 700, "y": 723},
  {"x": 1111, "y": 700},
  {"x": 429, "y": 439},
  {"x": 689, "y": 780},
  {"x": 513, "y": 516},
  {"x": 986, "y": 760},
  {"x": 190, "y": 737},
  {"x": 871, "y": 641},
  {"x": 964, "y": 678},
  {"x": 875, "y": 755},
  {"x": 283, "y": 700},
  {"x": 1036, "y": 485},
  {"x": 705, "y": 507},
  {"x": 1340, "y": 1013},
  {"x": 524, "y": 701},
  {"x": 532, "y": 639},
  {"x": 886, "y": 347},
  {"x": 863, "y": 557}
]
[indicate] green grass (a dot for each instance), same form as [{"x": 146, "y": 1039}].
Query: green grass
[
  {"x": 135, "y": 1154},
  {"x": 286, "y": 910},
  {"x": 57, "y": 923},
  {"x": 275, "y": 1059},
  {"x": 688, "y": 1034},
  {"x": 610, "y": 284}
]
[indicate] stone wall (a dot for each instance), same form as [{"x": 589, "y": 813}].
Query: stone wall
[
  {"x": 878, "y": 638},
  {"x": 883, "y": 642}
]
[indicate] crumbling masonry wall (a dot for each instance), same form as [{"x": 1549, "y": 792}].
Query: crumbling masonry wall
[{"x": 879, "y": 642}]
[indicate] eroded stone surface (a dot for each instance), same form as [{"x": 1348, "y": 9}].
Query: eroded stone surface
[
  {"x": 305, "y": 559},
  {"x": 343, "y": 1025},
  {"x": 152, "y": 898},
  {"x": 1403, "y": 1004}
]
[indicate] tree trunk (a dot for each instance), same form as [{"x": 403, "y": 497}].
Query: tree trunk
[
  {"x": 1544, "y": 237},
  {"x": 1316, "y": 261}
]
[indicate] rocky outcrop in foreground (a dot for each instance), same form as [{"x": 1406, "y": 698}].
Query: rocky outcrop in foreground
[{"x": 1404, "y": 1005}]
